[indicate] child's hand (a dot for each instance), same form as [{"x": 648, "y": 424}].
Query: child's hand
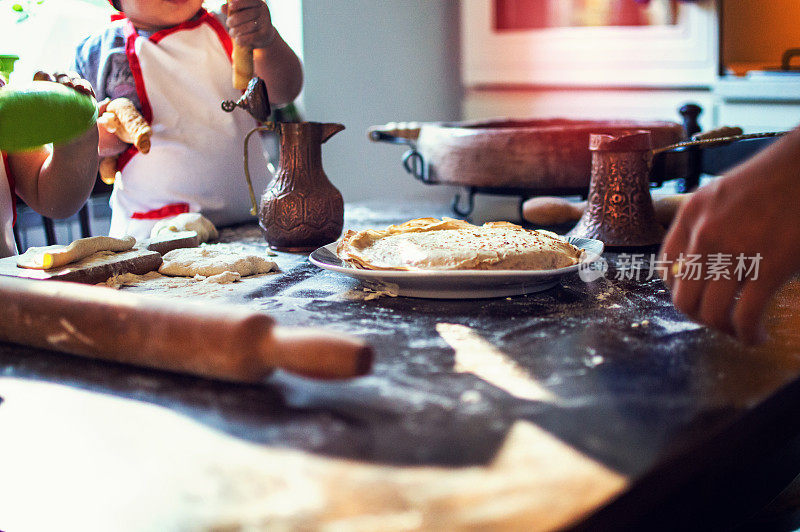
[
  {"x": 69, "y": 79},
  {"x": 250, "y": 23},
  {"x": 109, "y": 143}
]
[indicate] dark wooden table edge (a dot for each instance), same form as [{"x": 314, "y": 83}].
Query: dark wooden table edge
[{"x": 714, "y": 486}]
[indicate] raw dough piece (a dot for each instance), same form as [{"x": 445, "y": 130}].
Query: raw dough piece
[
  {"x": 448, "y": 244},
  {"x": 189, "y": 221},
  {"x": 211, "y": 260},
  {"x": 49, "y": 257}
]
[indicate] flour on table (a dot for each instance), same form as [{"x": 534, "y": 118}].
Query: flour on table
[
  {"x": 214, "y": 259},
  {"x": 222, "y": 278},
  {"x": 129, "y": 279}
]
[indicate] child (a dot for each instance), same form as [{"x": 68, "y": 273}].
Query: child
[
  {"x": 173, "y": 60},
  {"x": 55, "y": 181}
]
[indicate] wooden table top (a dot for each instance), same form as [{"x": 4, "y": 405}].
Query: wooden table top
[{"x": 587, "y": 406}]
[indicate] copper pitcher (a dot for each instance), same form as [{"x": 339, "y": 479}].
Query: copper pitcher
[{"x": 300, "y": 210}]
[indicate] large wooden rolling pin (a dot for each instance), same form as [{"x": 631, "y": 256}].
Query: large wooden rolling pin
[{"x": 223, "y": 342}]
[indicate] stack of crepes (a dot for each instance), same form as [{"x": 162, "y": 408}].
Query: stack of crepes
[{"x": 449, "y": 244}]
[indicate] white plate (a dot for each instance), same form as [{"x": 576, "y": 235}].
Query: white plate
[{"x": 458, "y": 284}]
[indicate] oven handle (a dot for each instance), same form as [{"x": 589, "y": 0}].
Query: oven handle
[{"x": 786, "y": 58}]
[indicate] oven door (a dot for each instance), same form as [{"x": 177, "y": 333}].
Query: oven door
[{"x": 576, "y": 43}]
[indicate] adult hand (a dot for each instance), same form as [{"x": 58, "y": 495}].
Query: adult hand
[
  {"x": 249, "y": 23},
  {"x": 69, "y": 79},
  {"x": 753, "y": 211}
]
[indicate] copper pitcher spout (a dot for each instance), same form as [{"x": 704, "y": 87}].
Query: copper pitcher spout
[{"x": 329, "y": 130}]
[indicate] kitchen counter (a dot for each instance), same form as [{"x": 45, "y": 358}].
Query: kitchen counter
[{"x": 590, "y": 406}]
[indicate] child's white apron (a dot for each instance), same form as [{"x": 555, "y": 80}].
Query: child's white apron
[
  {"x": 195, "y": 163},
  {"x": 8, "y": 211}
]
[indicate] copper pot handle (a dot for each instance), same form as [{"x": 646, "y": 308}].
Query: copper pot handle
[
  {"x": 716, "y": 141},
  {"x": 270, "y": 126},
  {"x": 395, "y": 132}
]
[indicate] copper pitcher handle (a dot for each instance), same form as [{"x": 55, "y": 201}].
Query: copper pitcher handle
[{"x": 269, "y": 127}]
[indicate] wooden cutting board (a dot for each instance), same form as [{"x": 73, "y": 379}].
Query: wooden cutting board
[{"x": 91, "y": 270}]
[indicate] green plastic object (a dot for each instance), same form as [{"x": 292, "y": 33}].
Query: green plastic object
[
  {"x": 41, "y": 112},
  {"x": 7, "y": 65}
]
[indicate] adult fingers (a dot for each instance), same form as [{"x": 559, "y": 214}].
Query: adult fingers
[
  {"x": 717, "y": 303},
  {"x": 82, "y": 86},
  {"x": 689, "y": 285},
  {"x": 675, "y": 247},
  {"x": 41, "y": 75},
  {"x": 676, "y": 242},
  {"x": 686, "y": 294},
  {"x": 748, "y": 316}
]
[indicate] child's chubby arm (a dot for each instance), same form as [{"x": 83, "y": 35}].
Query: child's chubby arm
[
  {"x": 56, "y": 180},
  {"x": 250, "y": 24}
]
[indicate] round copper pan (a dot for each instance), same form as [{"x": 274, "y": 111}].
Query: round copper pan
[{"x": 519, "y": 154}]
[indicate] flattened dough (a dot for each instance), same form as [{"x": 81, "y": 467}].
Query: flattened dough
[
  {"x": 213, "y": 259},
  {"x": 49, "y": 257},
  {"x": 448, "y": 244},
  {"x": 189, "y": 221}
]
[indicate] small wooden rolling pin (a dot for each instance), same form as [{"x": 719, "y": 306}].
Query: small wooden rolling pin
[
  {"x": 242, "y": 62},
  {"x": 223, "y": 342}
]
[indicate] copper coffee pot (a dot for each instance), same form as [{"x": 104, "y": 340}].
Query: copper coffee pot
[
  {"x": 619, "y": 210},
  {"x": 300, "y": 210}
]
